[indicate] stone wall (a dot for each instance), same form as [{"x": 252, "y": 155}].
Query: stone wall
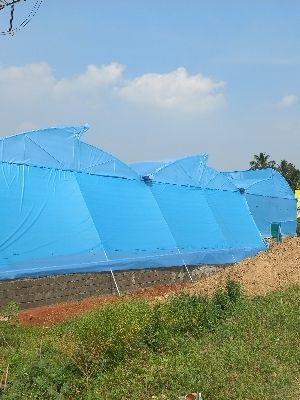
[{"x": 29, "y": 293}]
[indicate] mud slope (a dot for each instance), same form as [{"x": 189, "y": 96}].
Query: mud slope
[{"x": 279, "y": 267}]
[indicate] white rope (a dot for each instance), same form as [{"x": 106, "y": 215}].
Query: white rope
[
  {"x": 113, "y": 276},
  {"x": 190, "y": 276}
]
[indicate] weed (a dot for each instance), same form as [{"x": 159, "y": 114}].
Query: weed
[
  {"x": 227, "y": 346},
  {"x": 9, "y": 313}
]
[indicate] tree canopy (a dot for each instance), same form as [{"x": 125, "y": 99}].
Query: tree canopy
[
  {"x": 261, "y": 161},
  {"x": 285, "y": 168}
]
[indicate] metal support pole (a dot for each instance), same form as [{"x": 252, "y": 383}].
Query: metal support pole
[{"x": 113, "y": 276}]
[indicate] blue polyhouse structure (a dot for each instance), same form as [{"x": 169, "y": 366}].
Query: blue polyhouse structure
[
  {"x": 207, "y": 215},
  {"x": 270, "y": 199},
  {"x": 69, "y": 207}
]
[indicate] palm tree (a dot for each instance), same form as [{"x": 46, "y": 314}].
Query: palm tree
[{"x": 262, "y": 161}]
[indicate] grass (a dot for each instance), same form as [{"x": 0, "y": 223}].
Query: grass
[{"x": 227, "y": 347}]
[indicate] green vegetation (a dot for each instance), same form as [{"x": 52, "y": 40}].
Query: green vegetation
[
  {"x": 298, "y": 226},
  {"x": 227, "y": 347},
  {"x": 287, "y": 169},
  {"x": 10, "y": 312},
  {"x": 261, "y": 161}
]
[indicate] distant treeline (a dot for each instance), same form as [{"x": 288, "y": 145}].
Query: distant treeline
[{"x": 287, "y": 169}]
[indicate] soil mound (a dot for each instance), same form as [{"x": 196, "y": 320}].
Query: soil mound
[{"x": 276, "y": 268}]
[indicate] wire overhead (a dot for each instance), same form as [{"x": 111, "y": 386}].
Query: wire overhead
[{"x": 11, "y": 30}]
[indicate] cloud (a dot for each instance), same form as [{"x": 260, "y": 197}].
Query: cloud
[
  {"x": 288, "y": 101},
  {"x": 34, "y": 92},
  {"x": 31, "y": 96},
  {"x": 133, "y": 118},
  {"x": 35, "y": 79},
  {"x": 92, "y": 79},
  {"x": 176, "y": 90}
]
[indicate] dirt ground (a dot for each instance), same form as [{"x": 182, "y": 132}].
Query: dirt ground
[{"x": 277, "y": 268}]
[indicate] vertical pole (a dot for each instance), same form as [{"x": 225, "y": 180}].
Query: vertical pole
[{"x": 113, "y": 276}]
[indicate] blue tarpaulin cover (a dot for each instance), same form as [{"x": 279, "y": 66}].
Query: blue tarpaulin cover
[
  {"x": 69, "y": 207},
  {"x": 270, "y": 199}
]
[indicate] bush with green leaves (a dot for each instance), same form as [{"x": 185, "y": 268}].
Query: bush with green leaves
[
  {"x": 189, "y": 315},
  {"x": 100, "y": 340},
  {"x": 228, "y": 346}
]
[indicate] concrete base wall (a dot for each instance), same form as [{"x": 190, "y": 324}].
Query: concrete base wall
[{"x": 29, "y": 293}]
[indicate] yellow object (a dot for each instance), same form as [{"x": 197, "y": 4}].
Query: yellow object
[{"x": 297, "y": 195}]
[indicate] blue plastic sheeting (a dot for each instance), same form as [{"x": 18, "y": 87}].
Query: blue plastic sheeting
[
  {"x": 204, "y": 219},
  {"x": 188, "y": 170},
  {"x": 65, "y": 221},
  {"x": 149, "y": 168},
  {"x": 268, "y": 210},
  {"x": 62, "y": 149},
  {"x": 269, "y": 197},
  {"x": 192, "y": 171},
  {"x": 68, "y": 207}
]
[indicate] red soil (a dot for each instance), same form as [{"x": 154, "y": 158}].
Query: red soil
[{"x": 48, "y": 315}]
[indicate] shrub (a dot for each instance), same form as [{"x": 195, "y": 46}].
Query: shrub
[
  {"x": 189, "y": 315},
  {"x": 225, "y": 300},
  {"x": 47, "y": 378},
  {"x": 126, "y": 338},
  {"x": 156, "y": 334},
  {"x": 100, "y": 340}
]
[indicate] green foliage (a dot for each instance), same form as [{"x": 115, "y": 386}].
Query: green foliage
[
  {"x": 102, "y": 339},
  {"x": 285, "y": 168},
  {"x": 156, "y": 333},
  {"x": 187, "y": 315},
  {"x": 10, "y": 312},
  {"x": 234, "y": 291},
  {"x": 46, "y": 378},
  {"x": 298, "y": 226},
  {"x": 226, "y": 300},
  {"x": 253, "y": 354},
  {"x": 261, "y": 161},
  {"x": 291, "y": 174},
  {"x": 227, "y": 346}
]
